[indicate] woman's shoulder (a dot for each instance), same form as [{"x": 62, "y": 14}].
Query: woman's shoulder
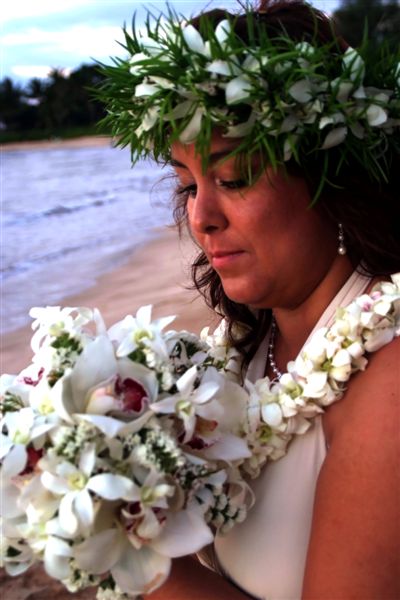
[
  {"x": 372, "y": 398},
  {"x": 356, "y": 505}
]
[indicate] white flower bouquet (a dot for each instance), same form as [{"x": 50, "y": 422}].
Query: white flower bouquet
[{"x": 118, "y": 451}]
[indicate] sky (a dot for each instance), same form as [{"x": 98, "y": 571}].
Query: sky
[{"x": 40, "y": 35}]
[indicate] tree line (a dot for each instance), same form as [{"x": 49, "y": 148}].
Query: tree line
[
  {"x": 62, "y": 106},
  {"x": 50, "y": 107}
]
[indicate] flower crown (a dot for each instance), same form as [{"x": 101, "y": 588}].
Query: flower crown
[{"x": 278, "y": 97}]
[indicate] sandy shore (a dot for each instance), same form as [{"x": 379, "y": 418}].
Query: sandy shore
[
  {"x": 87, "y": 141},
  {"x": 157, "y": 273}
]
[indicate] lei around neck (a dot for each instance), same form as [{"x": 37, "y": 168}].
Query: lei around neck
[
  {"x": 279, "y": 410},
  {"x": 280, "y": 98}
]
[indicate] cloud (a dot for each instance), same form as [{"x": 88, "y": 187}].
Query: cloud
[
  {"x": 82, "y": 41},
  {"x": 22, "y": 9},
  {"x": 31, "y": 71}
]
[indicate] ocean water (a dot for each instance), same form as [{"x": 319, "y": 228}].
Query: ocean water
[{"x": 68, "y": 216}]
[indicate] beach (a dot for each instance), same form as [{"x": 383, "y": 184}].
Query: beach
[{"x": 157, "y": 273}]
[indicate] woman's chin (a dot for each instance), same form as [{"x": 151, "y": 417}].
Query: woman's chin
[{"x": 246, "y": 295}]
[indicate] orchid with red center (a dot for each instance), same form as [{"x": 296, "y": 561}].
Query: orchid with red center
[{"x": 104, "y": 458}]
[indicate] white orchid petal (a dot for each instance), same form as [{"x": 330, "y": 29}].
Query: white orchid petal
[
  {"x": 113, "y": 487},
  {"x": 101, "y": 405},
  {"x": 205, "y": 392},
  {"x": 84, "y": 508},
  {"x": 56, "y": 565},
  {"x": 94, "y": 365},
  {"x": 87, "y": 459},
  {"x": 376, "y": 115},
  {"x": 192, "y": 129},
  {"x": 237, "y": 90},
  {"x": 378, "y": 339},
  {"x": 143, "y": 315},
  {"x": 165, "y": 406},
  {"x": 341, "y": 358},
  {"x": 220, "y": 67},
  {"x": 179, "y": 111},
  {"x": 222, "y": 31},
  {"x": 5, "y": 445},
  {"x": 139, "y": 571},
  {"x": 14, "y": 462},
  {"x": 107, "y": 425},
  {"x": 67, "y": 516},
  {"x": 99, "y": 553},
  {"x": 54, "y": 484},
  {"x": 186, "y": 381},
  {"x": 150, "y": 526},
  {"x": 272, "y": 414},
  {"x": 184, "y": 532},
  {"x": 301, "y": 91},
  {"x": 334, "y": 137},
  {"x": 9, "y": 505},
  {"x": 136, "y": 424},
  {"x": 193, "y": 39},
  {"x": 146, "y": 89},
  {"x": 228, "y": 447}
]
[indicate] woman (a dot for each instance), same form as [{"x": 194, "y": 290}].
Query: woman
[{"x": 326, "y": 522}]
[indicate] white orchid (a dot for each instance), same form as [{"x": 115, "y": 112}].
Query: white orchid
[
  {"x": 138, "y": 332},
  {"x": 238, "y": 89},
  {"x": 192, "y": 401},
  {"x": 353, "y": 62},
  {"x": 75, "y": 484},
  {"x": 23, "y": 428}
]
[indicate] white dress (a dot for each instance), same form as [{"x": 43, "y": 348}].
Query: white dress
[{"x": 265, "y": 556}]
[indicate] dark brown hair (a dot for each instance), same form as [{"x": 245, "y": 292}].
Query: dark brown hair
[{"x": 368, "y": 210}]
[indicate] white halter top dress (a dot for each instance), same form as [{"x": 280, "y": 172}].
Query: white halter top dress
[{"x": 265, "y": 555}]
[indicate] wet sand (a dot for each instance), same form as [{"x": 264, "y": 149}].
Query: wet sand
[
  {"x": 86, "y": 141},
  {"x": 157, "y": 273}
]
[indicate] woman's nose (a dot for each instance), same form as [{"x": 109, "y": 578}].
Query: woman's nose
[{"x": 206, "y": 212}]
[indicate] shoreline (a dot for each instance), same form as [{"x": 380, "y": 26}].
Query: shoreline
[
  {"x": 86, "y": 141},
  {"x": 156, "y": 273}
]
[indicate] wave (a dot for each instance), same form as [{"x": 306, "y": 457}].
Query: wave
[{"x": 59, "y": 209}]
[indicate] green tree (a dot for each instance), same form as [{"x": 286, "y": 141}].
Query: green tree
[{"x": 382, "y": 18}]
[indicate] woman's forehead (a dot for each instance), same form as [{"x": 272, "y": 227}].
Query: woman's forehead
[{"x": 220, "y": 148}]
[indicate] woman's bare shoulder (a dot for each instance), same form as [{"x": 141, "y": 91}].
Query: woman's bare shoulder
[
  {"x": 356, "y": 520},
  {"x": 372, "y": 393}
]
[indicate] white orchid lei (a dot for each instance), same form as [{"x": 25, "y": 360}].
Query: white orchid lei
[
  {"x": 280, "y": 98},
  {"x": 118, "y": 452},
  {"x": 278, "y": 410}
]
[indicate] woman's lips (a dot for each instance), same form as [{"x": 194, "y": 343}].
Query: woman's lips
[{"x": 220, "y": 260}]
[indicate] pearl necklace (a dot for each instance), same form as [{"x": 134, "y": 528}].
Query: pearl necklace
[{"x": 271, "y": 346}]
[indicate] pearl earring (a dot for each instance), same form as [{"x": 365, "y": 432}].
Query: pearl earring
[{"x": 341, "y": 248}]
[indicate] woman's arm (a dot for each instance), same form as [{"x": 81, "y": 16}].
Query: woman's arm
[
  {"x": 189, "y": 580},
  {"x": 354, "y": 549}
]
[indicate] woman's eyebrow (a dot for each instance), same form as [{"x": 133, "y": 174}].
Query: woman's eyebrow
[{"x": 213, "y": 158}]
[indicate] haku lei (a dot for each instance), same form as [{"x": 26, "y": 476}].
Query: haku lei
[{"x": 280, "y": 98}]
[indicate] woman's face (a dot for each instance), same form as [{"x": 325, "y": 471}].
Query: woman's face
[{"x": 267, "y": 246}]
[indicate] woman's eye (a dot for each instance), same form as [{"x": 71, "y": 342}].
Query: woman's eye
[
  {"x": 188, "y": 191},
  {"x": 235, "y": 184}
]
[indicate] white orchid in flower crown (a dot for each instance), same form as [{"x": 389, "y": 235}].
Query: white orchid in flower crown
[{"x": 118, "y": 451}]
